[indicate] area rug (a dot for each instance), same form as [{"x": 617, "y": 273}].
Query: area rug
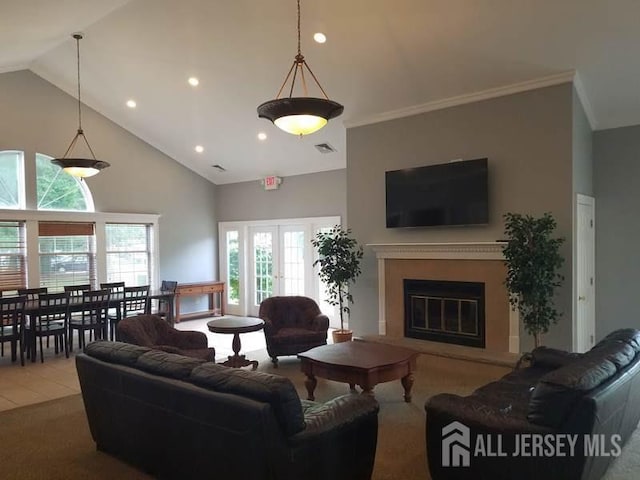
[{"x": 51, "y": 440}]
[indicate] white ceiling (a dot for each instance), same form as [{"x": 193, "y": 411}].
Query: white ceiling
[{"x": 381, "y": 56}]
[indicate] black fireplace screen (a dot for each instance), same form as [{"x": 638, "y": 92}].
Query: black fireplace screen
[{"x": 445, "y": 311}]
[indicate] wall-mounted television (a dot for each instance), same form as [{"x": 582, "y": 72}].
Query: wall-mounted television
[{"x": 454, "y": 193}]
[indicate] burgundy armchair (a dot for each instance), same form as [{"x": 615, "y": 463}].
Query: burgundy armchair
[
  {"x": 154, "y": 332},
  {"x": 292, "y": 325}
]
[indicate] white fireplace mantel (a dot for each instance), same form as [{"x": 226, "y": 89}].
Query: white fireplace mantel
[
  {"x": 439, "y": 251},
  {"x": 445, "y": 251}
]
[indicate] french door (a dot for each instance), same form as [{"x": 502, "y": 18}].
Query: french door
[{"x": 268, "y": 258}]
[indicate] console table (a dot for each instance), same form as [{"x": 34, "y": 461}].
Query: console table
[{"x": 215, "y": 292}]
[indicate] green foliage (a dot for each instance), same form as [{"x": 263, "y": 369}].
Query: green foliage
[
  {"x": 533, "y": 260},
  {"x": 56, "y": 189},
  {"x": 339, "y": 258}
]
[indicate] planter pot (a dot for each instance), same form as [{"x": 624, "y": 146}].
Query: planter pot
[{"x": 342, "y": 335}]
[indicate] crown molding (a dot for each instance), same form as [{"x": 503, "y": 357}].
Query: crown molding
[
  {"x": 548, "y": 81},
  {"x": 584, "y": 99},
  {"x": 15, "y": 68}
]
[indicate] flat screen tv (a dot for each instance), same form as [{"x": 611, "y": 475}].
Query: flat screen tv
[{"x": 453, "y": 193}]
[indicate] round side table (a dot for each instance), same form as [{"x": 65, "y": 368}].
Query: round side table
[{"x": 236, "y": 326}]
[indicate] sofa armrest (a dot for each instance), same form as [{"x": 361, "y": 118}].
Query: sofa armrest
[
  {"x": 325, "y": 417},
  {"x": 320, "y": 323},
  {"x": 187, "y": 340},
  {"x": 339, "y": 441},
  {"x": 269, "y": 327},
  {"x": 552, "y": 358}
]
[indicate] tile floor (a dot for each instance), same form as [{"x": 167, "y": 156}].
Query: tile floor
[{"x": 56, "y": 377}]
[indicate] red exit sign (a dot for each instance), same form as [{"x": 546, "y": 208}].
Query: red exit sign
[{"x": 271, "y": 182}]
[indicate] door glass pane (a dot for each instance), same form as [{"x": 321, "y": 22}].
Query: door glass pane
[
  {"x": 233, "y": 270},
  {"x": 293, "y": 260},
  {"x": 263, "y": 266}
]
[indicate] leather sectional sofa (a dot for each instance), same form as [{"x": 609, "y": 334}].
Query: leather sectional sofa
[
  {"x": 180, "y": 417},
  {"x": 596, "y": 393}
]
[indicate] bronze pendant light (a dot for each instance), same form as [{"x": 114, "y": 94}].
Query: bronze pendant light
[
  {"x": 300, "y": 115},
  {"x": 79, "y": 167}
]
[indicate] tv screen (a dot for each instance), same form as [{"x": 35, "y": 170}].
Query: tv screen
[{"x": 447, "y": 194}]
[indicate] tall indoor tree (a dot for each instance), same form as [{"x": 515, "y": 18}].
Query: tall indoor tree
[{"x": 533, "y": 260}]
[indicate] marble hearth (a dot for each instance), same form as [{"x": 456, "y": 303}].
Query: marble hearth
[{"x": 455, "y": 262}]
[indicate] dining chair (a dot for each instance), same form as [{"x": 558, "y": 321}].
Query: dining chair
[
  {"x": 164, "y": 305},
  {"x": 51, "y": 320},
  {"x": 77, "y": 290},
  {"x": 134, "y": 302},
  {"x": 92, "y": 317},
  {"x": 12, "y": 324},
  {"x": 116, "y": 291},
  {"x": 32, "y": 293}
]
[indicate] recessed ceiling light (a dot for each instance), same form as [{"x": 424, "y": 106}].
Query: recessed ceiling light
[
  {"x": 320, "y": 37},
  {"x": 262, "y": 136},
  {"x": 131, "y": 103},
  {"x": 193, "y": 81},
  {"x": 199, "y": 148}
]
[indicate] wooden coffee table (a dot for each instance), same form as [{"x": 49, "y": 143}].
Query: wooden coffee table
[
  {"x": 359, "y": 363},
  {"x": 236, "y": 326}
]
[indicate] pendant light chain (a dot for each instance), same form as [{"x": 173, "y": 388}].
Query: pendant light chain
[
  {"x": 299, "y": 50},
  {"x": 77, "y": 36}
]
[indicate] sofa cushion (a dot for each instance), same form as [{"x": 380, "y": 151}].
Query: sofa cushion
[
  {"x": 167, "y": 364},
  {"x": 116, "y": 352},
  {"x": 630, "y": 336},
  {"x": 275, "y": 390},
  {"x": 619, "y": 353},
  {"x": 557, "y": 391}
]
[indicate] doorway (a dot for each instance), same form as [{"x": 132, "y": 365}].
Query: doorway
[
  {"x": 274, "y": 257},
  {"x": 584, "y": 319}
]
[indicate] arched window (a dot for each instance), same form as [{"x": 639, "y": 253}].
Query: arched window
[
  {"x": 57, "y": 190},
  {"x": 11, "y": 179}
]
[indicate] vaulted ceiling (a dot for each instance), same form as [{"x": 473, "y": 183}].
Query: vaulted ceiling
[{"x": 380, "y": 56}]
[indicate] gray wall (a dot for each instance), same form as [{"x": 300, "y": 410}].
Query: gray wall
[
  {"x": 312, "y": 195},
  {"x": 527, "y": 139},
  {"x": 38, "y": 117},
  {"x": 617, "y": 175},
  {"x": 582, "y": 149}
]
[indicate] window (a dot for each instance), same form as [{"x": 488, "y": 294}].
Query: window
[
  {"x": 67, "y": 254},
  {"x": 57, "y": 190},
  {"x": 129, "y": 253},
  {"x": 233, "y": 268},
  {"x": 11, "y": 179},
  {"x": 13, "y": 256}
]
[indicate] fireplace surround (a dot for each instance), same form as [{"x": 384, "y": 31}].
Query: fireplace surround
[{"x": 481, "y": 262}]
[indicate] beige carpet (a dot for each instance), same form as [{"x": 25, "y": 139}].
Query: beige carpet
[{"x": 52, "y": 441}]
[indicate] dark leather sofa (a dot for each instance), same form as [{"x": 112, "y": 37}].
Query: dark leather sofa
[
  {"x": 595, "y": 393},
  {"x": 180, "y": 417}
]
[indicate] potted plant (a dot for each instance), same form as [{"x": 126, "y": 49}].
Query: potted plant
[
  {"x": 532, "y": 257},
  {"x": 339, "y": 258}
]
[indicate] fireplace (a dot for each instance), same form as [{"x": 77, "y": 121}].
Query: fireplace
[
  {"x": 481, "y": 262},
  {"x": 445, "y": 311}
]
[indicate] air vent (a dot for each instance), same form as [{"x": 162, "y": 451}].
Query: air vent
[
  {"x": 219, "y": 167},
  {"x": 325, "y": 148}
]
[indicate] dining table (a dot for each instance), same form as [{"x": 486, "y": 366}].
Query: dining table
[{"x": 116, "y": 300}]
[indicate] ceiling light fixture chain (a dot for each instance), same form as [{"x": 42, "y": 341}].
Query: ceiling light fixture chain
[{"x": 300, "y": 115}]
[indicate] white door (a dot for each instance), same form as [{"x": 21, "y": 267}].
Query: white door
[
  {"x": 585, "y": 322},
  {"x": 293, "y": 249},
  {"x": 263, "y": 259}
]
